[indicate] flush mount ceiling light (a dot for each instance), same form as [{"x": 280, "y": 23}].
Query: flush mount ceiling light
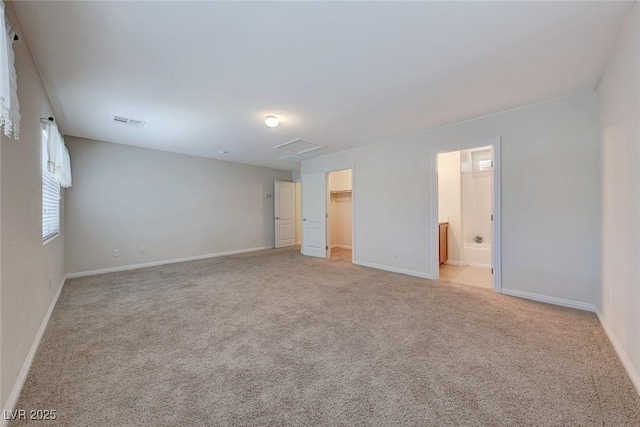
[{"x": 271, "y": 121}]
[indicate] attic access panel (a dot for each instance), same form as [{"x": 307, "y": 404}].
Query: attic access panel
[
  {"x": 299, "y": 146},
  {"x": 293, "y": 158}
]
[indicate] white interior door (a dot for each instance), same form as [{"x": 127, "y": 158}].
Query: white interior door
[
  {"x": 285, "y": 213},
  {"x": 314, "y": 224}
]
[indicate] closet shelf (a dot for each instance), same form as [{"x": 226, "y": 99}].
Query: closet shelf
[{"x": 340, "y": 191}]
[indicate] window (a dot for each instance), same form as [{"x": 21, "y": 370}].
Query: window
[
  {"x": 50, "y": 196},
  {"x": 485, "y": 165}
]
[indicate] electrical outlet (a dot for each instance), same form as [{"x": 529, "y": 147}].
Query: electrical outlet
[
  {"x": 395, "y": 252},
  {"x": 116, "y": 252},
  {"x": 255, "y": 238},
  {"x": 143, "y": 250}
]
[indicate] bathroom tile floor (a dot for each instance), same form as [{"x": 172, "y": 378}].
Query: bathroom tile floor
[
  {"x": 341, "y": 254},
  {"x": 466, "y": 275}
]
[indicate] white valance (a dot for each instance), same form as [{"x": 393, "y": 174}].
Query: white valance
[
  {"x": 9, "y": 106},
  {"x": 59, "y": 160}
]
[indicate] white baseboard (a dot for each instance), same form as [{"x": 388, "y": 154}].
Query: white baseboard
[
  {"x": 550, "y": 300},
  {"x": 162, "y": 262},
  {"x": 486, "y": 266},
  {"x": 461, "y": 264},
  {"x": 26, "y": 366},
  {"x": 340, "y": 246},
  {"x": 395, "y": 269},
  {"x": 626, "y": 362}
]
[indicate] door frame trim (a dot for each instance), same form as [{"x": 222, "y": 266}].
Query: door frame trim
[
  {"x": 496, "y": 230},
  {"x": 275, "y": 221}
]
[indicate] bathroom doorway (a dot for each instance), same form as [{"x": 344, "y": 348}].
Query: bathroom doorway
[{"x": 466, "y": 213}]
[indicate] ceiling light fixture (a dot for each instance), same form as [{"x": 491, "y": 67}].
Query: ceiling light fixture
[
  {"x": 271, "y": 121},
  {"x": 223, "y": 152}
]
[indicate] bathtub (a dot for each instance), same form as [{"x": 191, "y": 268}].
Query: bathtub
[{"x": 477, "y": 255}]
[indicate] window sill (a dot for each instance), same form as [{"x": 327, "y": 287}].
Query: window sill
[{"x": 50, "y": 239}]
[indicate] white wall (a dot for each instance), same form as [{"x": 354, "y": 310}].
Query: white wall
[
  {"x": 340, "y": 180},
  {"x": 619, "y": 102},
  {"x": 174, "y": 205},
  {"x": 551, "y": 213},
  {"x": 25, "y": 294},
  {"x": 340, "y": 209},
  {"x": 449, "y": 202}
]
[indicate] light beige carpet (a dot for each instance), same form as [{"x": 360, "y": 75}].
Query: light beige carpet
[{"x": 275, "y": 338}]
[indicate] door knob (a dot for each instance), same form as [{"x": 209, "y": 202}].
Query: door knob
[
  {"x": 304, "y": 219},
  {"x": 277, "y": 217}
]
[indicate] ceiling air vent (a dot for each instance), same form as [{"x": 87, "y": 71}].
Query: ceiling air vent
[{"x": 127, "y": 121}]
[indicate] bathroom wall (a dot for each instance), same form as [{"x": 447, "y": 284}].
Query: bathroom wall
[
  {"x": 476, "y": 198},
  {"x": 475, "y": 189}
]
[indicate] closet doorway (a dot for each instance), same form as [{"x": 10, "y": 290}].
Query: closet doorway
[{"x": 340, "y": 215}]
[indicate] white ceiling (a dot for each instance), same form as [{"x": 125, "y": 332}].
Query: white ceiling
[{"x": 203, "y": 75}]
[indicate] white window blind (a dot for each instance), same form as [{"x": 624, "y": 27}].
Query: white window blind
[
  {"x": 9, "y": 106},
  {"x": 485, "y": 165},
  {"x": 50, "y": 196}
]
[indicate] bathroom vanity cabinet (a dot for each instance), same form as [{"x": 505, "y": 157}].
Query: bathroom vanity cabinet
[{"x": 444, "y": 241}]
